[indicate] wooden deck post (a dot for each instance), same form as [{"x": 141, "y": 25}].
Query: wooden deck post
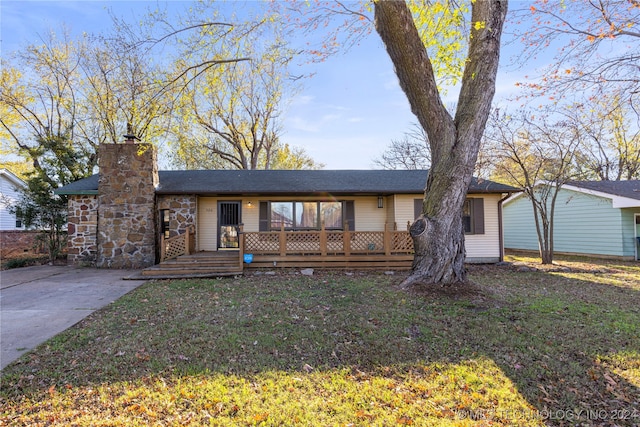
[
  {"x": 283, "y": 241},
  {"x": 187, "y": 241},
  {"x": 346, "y": 240},
  {"x": 323, "y": 239},
  {"x": 387, "y": 240},
  {"x": 241, "y": 246}
]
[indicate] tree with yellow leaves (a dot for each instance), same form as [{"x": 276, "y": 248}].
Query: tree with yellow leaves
[
  {"x": 432, "y": 45},
  {"x": 438, "y": 234},
  {"x": 40, "y": 97},
  {"x": 230, "y": 114}
]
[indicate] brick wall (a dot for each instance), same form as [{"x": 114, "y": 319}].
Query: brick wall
[{"x": 14, "y": 243}]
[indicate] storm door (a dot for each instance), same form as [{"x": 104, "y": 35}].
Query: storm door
[{"x": 228, "y": 222}]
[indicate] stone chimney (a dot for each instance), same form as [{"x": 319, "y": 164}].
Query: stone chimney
[{"x": 126, "y": 235}]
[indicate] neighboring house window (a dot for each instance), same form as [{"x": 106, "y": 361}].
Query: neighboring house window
[
  {"x": 18, "y": 218},
  {"x": 473, "y": 216},
  {"x": 306, "y": 215},
  {"x": 165, "y": 221}
]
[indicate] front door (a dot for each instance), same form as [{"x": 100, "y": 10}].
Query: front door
[{"x": 228, "y": 222}]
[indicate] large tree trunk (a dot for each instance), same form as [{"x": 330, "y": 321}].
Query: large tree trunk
[{"x": 438, "y": 235}]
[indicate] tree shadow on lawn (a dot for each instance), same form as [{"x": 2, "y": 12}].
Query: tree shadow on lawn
[
  {"x": 566, "y": 343},
  {"x": 571, "y": 345}
]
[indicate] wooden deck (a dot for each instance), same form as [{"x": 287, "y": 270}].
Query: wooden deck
[
  {"x": 389, "y": 249},
  {"x": 329, "y": 249},
  {"x": 395, "y": 262},
  {"x": 327, "y": 243}
]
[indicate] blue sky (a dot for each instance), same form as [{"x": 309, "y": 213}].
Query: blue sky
[{"x": 345, "y": 116}]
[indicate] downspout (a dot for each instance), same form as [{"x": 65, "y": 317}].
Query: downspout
[{"x": 500, "y": 231}]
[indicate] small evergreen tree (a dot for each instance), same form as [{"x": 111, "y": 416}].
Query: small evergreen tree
[
  {"x": 55, "y": 163},
  {"x": 41, "y": 209}
]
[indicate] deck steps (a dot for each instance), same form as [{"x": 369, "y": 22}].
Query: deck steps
[{"x": 201, "y": 264}]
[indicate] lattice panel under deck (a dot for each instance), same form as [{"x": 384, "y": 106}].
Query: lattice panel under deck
[
  {"x": 367, "y": 241},
  {"x": 335, "y": 242},
  {"x": 175, "y": 246},
  {"x": 262, "y": 243},
  {"x": 303, "y": 242},
  {"x": 309, "y": 242},
  {"x": 401, "y": 242}
]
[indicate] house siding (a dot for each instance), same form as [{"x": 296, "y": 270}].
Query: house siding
[
  {"x": 368, "y": 217},
  {"x": 629, "y": 232},
  {"x": 390, "y": 211},
  {"x": 8, "y": 196},
  {"x": 480, "y": 247},
  {"x": 486, "y": 247},
  {"x": 637, "y": 234},
  {"x": 519, "y": 228},
  {"x": 583, "y": 223},
  {"x": 207, "y": 235},
  {"x": 251, "y": 214},
  {"x": 14, "y": 241},
  {"x": 404, "y": 210}
]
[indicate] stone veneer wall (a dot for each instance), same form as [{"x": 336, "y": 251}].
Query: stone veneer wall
[
  {"x": 182, "y": 211},
  {"x": 126, "y": 206},
  {"x": 82, "y": 229}
]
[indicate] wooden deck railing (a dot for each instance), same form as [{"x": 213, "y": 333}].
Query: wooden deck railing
[
  {"x": 182, "y": 244},
  {"x": 328, "y": 242}
]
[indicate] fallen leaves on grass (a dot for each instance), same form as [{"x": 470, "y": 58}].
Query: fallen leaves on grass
[{"x": 340, "y": 349}]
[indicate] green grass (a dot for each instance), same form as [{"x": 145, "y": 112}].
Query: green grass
[{"x": 548, "y": 347}]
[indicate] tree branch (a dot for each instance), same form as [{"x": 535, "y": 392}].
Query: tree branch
[{"x": 394, "y": 24}]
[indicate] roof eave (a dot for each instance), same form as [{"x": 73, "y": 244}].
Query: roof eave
[
  {"x": 617, "y": 201},
  {"x": 166, "y": 192},
  {"x": 13, "y": 178},
  {"x": 77, "y": 193}
]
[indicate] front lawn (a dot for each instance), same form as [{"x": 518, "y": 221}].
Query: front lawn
[{"x": 523, "y": 347}]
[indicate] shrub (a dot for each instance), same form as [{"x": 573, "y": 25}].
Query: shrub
[{"x": 23, "y": 262}]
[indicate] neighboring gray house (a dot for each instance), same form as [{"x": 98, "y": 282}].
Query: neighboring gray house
[
  {"x": 15, "y": 239},
  {"x": 591, "y": 218},
  {"x": 10, "y": 186}
]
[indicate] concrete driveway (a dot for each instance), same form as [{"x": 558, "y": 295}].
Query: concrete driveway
[{"x": 37, "y": 303}]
